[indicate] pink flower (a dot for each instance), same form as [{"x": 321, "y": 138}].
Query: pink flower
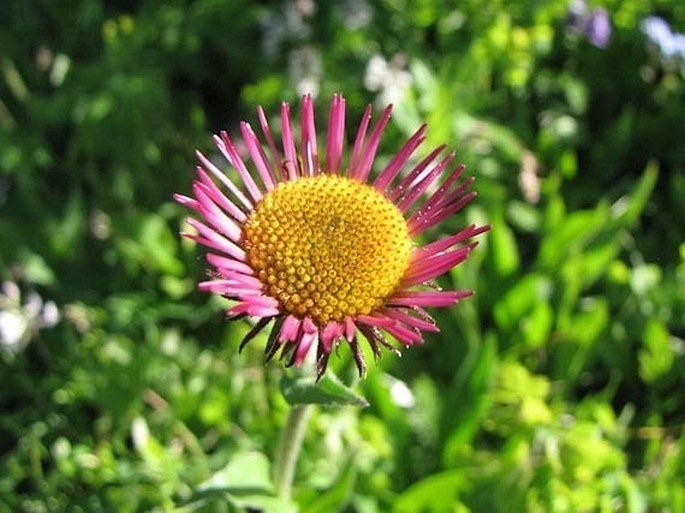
[{"x": 319, "y": 247}]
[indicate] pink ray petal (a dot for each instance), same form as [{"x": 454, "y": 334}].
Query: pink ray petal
[
  {"x": 309, "y": 335},
  {"x": 330, "y": 333},
  {"x": 374, "y": 320},
  {"x": 436, "y": 265},
  {"x": 436, "y": 199},
  {"x": 290, "y": 329},
  {"x": 243, "y": 280},
  {"x": 456, "y": 193},
  {"x": 229, "y": 151},
  {"x": 428, "y": 298},
  {"x": 261, "y": 162},
  {"x": 362, "y": 172},
  {"x": 236, "y": 292},
  {"x": 336, "y": 135},
  {"x": 395, "y": 165},
  {"x": 308, "y": 137},
  {"x": 291, "y": 162},
  {"x": 221, "y": 176},
  {"x": 447, "y": 242},
  {"x": 187, "y": 202},
  {"x": 218, "y": 241},
  {"x": 399, "y": 191},
  {"x": 222, "y": 262},
  {"x": 418, "y": 189},
  {"x": 211, "y": 189},
  {"x": 230, "y": 288},
  {"x": 350, "y": 329},
  {"x": 359, "y": 142},
  {"x": 216, "y": 217},
  {"x": 266, "y": 130},
  {"x": 255, "y": 307},
  {"x": 405, "y": 336},
  {"x": 410, "y": 320},
  {"x": 198, "y": 239},
  {"x": 419, "y": 223}
]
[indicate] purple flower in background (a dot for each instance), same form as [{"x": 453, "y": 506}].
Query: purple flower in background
[
  {"x": 669, "y": 44},
  {"x": 594, "y": 23},
  {"x": 599, "y": 28}
]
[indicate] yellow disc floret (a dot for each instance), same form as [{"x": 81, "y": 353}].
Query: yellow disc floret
[{"x": 327, "y": 247}]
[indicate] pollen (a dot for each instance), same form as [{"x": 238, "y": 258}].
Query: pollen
[{"x": 327, "y": 247}]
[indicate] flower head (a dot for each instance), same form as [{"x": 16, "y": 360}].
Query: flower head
[
  {"x": 322, "y": 249},
  {"x": 21, "y": 320},
  {"x": 670, "y": 45},
  {"x": 594, "y": 23}
]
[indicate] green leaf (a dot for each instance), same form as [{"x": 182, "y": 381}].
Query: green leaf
[
  {"x": 66, "y": 233},
  {"x": 572, "y": 235},
  {"x": 589, "y": 324},
  {"x": 145, "y": 241},
  {"x": 335, "y": 498},
  {"x": 468, "y": 399},
  {"x": 435, "y": 493},
  {"x": 537, "y": 325},
  {"x": 245, "y": 482},
  {"x": 520, "y": 299},
  {"x": 505, "y": 254},
  {"x": 656, "y": 358},
  {"x": 329, "y": 391},
  {"x": 36, "y": 269},
  {"x": 642, "y": 192},
  {"x": 523, "y": 216},
  {"x": 501, "y": 137}
]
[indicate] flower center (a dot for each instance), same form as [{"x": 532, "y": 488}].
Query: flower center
[{"x": 327, "y": 247}]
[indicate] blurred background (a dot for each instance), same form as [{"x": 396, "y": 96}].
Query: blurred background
[{"x": 558, "y": 387}]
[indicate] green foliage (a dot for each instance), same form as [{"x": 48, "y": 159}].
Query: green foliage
[
  {"x": 328, "y": 391},
  {"x": 557, "y": 387}
]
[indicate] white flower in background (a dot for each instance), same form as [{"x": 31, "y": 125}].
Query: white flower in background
[
  {"x": 356, "y": 14},
  {"x": 671, "y": 45},
  {"x": 13, "y": 327},
  {"x": 305, "y": 68},
  {"x": 400, "y": 393},
  {"x": 19, "y": 322},
  {"x": 529, "y": 181},
  {"x": 289, "y": 23},
  {"x": 389, "y": 79}
]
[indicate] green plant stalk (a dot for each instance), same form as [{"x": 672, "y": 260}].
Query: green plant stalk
[{"x": 289, "y": 449}]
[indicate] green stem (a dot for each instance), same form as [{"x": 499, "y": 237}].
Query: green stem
[{"x": 289, "y": 449}]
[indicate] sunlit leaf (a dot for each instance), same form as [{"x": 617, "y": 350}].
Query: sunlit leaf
[{"x": 328, "y": 391}]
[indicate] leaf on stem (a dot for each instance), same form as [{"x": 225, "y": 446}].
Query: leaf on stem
[{"x": 328, "y": 391}]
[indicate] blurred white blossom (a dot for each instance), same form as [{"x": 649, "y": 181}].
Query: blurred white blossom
[
  {"x": 19, "y": 322},
  {"x": 356, "y": 14},
  {"x": 305, "y": 68},
  {"x": 670, "y": 45},
  {"x": 290, "y": 23},
  {"x": 529, "y": 181},
  {"x": 400, "y": 393},
  {"x": 389, "y": 78}
]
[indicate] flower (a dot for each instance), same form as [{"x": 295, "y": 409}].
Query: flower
[
  {"x": 20, "y": 322},
  {"x": 594, "y": 23},
  {"x": 599, "y": 28},
  {"x": 670, "y": 45},
  {"x": 390, "y": 79},
  {"x": 318, "y": 246}
]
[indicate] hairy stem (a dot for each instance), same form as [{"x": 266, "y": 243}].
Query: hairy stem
[{"x": 289, "y": 449}]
